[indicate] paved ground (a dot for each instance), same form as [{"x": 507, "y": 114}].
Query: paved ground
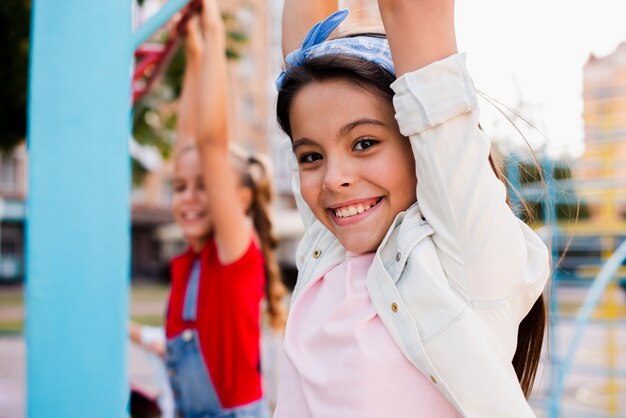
[
  {"x": 12, "y": 377},
  {"x": 586, "y": 391},
  {"x": 147, "y": 302}
]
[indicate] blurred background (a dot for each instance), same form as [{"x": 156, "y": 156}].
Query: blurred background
[{"x": 553, "y": 78}]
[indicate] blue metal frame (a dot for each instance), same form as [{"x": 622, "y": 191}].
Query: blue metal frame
[
  {"x": 605, "y": 276},
  {"x": 78, "y": 225},
  {"x": 561, "y": 366},
  {"x": 157, "y": 21}
]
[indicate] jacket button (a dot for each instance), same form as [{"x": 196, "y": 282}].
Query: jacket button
[
  {"x": 394, "y": 307},
  {"x": 432, "y": 379},
  {"x": 317, "y": 253},
  {"x": 171, "y": 372},
  {"x": 398, "y": 256},
  {"x": 187, "y": 335}
]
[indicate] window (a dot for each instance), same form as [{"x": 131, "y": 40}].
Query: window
[{"x": 8, "y": 173}]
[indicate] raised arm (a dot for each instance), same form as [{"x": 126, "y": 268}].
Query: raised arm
[
  {"x": 419, "y": 31},
  {"x": 487, "y": 253},
  {"x": 299, "y": 16},
  {"x": 186, "y": 122},
  {"x": 231, "y": 227}
]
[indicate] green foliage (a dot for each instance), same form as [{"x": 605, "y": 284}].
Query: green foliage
[
  {"x": 234, "y": 41},
  {"x": 14, "y": 35},
  {"x": 138, "y": 173},
  {"x": 562, "y": 172},
  {"x": 528, "y": 173},
  {"x": 532, "y": 212},
  {"x": 565, "y": 211},
  {"x": 154, "y": 120},
  {"x": 236, "y": 36},
  {"x": 568, "y": 211},
  {"x": 173, "y": 76},
  {"x": 153, "y": 127}
]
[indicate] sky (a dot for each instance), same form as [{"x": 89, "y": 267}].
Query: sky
[{"x": 533, "y": 52}]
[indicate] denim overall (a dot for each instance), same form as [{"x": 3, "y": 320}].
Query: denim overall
[{"x": 189, "y": 377}]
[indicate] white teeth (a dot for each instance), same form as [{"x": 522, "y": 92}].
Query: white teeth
[
  {"x": 351, "y": 210},
  {"x": 190, "y": 216}
]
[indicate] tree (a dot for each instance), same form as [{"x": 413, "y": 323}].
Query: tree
[
  {"x": 14, "y": 39},
  {"x": 154, "y": 117}
]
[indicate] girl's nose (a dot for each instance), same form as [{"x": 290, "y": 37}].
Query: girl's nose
[
  {"x": 338, "y": 175},
  {"x": 189, "y": 194}
]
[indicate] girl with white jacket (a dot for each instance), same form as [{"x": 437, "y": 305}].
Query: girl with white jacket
[{"x": 419, "y": 292}]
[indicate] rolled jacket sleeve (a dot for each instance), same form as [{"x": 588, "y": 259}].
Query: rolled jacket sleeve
[
  {"x": 430, "y": 96},
  {"x": 488, "y": 255}
]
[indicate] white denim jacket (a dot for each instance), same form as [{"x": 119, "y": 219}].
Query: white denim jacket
[{"x": 457, "y": 271}]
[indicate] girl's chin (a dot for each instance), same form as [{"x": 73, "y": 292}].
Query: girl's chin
[
  {"x": 197, "y": 244},
  {"x": 197, "y": 237},
  {"x": 360, "y": 247}
]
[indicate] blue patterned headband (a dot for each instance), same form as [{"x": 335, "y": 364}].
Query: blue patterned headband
[{"x": 369, "y": 48}]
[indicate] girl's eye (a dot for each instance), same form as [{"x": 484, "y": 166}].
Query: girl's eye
[
  {"x": 363, "y": 144},
  {"x": 310, "y": 157},
  {"x": 178, "y": 188}
]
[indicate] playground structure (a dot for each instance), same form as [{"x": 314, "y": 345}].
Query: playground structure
[
  {"x": 598, "y": 270},
  {"x": 77, "y": 304},
  {"x": 78, "y": 249}
]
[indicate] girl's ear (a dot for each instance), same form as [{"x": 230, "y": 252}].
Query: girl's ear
[{"x": 245, "y": 197}]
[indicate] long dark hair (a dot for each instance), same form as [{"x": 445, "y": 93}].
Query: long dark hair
[{"x": 376, "y": 80}]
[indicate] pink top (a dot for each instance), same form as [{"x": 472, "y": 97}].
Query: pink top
[{"x": 340, "y": 361}]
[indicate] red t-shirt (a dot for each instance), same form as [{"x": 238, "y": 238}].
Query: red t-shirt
[{"x": 227, "y": 319}]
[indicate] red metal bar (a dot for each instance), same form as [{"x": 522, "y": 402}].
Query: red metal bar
[{"x": 152, "y": 59}]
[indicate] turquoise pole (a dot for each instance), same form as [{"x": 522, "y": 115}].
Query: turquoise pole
[
  {"x": 78, "y": 209},
  {"x": 551, "y": 221}
]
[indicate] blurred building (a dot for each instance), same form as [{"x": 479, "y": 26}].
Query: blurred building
[
  {"x": 150, "y": 205},
  {"x": 602, "y": 169},
  {"x": 12, "y": 213}
]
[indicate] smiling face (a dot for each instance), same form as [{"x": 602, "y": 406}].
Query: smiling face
[
  {"x": 356, "y": 169},
  {"x": 190, "y": 199}
]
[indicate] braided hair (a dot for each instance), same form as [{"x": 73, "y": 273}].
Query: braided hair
[{"x": 256, "y": 176}]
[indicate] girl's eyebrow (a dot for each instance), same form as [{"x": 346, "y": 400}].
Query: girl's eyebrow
[
  {"x": 363, "y": 121},
  {"x": 301, "y": 142},
  {"x": 344, "y": 131}
]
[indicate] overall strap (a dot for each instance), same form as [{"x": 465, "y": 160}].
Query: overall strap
[{"x": 191, "y": 295}]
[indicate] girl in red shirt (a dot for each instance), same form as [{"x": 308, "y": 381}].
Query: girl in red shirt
[{"x": 221, "y": 202}]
